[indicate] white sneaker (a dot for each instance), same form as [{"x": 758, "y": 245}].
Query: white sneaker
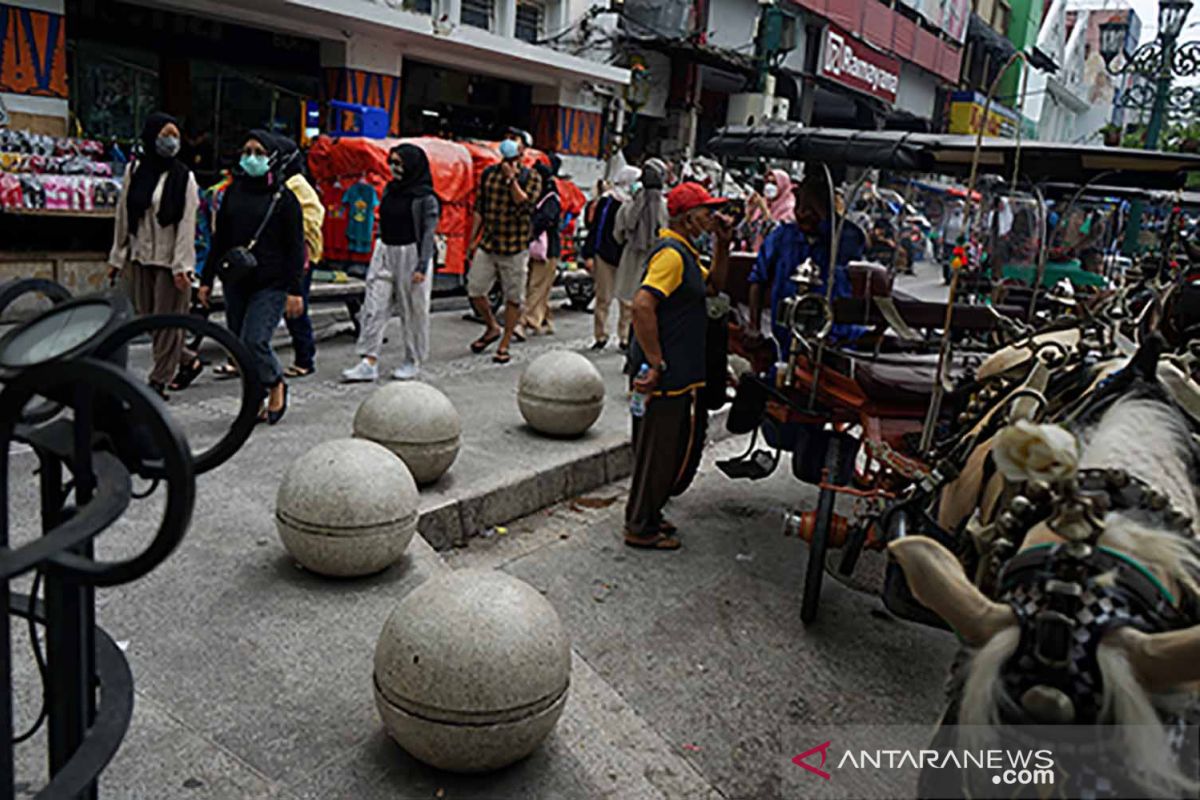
[
  {"x": 406, "y": 372},
  {"x": 363, "y": 372}
]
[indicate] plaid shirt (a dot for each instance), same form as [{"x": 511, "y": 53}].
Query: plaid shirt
[{"x": 506, "y": 225}]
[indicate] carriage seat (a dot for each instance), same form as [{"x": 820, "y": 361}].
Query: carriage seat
[
  {"x": 904, "y": 378},
  {"x": 868, "y": 279}
]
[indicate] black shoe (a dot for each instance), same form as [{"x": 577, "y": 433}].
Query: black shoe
[
  {"x": 160, "y": 389},
  {"x": 623, "y": 347},
  {"x": 273, "y": 417},
  {"x": 600, "y": 344}
]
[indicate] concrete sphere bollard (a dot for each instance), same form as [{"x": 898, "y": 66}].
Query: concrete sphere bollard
[
  {"x": 472, "y": 670},
  {"x": 347, "y": 507},
  {"x": 561, "y": 394},
  {"x": 416, "y": 422}
]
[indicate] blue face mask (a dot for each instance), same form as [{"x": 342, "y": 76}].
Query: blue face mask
[
  {"x": 255, "y": 166},
  {"x": 509, "y": 149}
]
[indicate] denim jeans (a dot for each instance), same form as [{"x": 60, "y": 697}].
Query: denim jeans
[
  {"x": 304, "y": 343},
  {"x": 252, "y": 315}
]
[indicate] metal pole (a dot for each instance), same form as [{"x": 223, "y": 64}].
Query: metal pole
[{"x": 1133, "y": 226}]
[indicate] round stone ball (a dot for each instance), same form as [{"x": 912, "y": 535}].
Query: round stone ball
[
  {"x": 347, "y": 507},
  {"x": 561, "y": 394},
  {"x": 416, "y": 422},
  {"x": 472, "y": 670}
]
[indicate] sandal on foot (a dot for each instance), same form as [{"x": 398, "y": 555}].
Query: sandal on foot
[
  {"x": 653, "y": 541},
  {"x": 297, "y": 371},
  {"x": 518, "y": 337},
  {"x": 225, "y": 371},
  {"x": 502, "y": 357},
  {"x": 484, "y": 342},
  {"x": 667, "y": 529},
  {"x": 187, "y": 374}
]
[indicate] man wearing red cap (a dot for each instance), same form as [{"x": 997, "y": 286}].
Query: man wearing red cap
[{"x": 667, "y": 357}]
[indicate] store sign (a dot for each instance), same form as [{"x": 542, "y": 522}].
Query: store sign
[
  {"x": 967, "y": 117},
  {"x": 856, "y": 65}
]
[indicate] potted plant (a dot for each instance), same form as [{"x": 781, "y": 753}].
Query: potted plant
[{"x": 1111, "y": 134}]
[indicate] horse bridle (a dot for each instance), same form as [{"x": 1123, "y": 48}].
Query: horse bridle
[{"x": 1067, "y": 596}]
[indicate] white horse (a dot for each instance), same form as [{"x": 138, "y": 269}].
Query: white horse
[{"x": 1141, "y": 678}]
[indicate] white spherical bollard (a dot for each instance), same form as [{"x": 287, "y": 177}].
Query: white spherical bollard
[
  {"x": 472, "y": 670},
  {"x": 347, "y": 507},
  {"x": 416, "y": 422},
  {"x": 561, "y": 394}
]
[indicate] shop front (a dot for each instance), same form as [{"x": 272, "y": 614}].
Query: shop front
[{"x": 857, "y": 85}]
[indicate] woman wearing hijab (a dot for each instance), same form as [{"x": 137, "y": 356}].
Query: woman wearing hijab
[
  {"x": 258, "y": 210},
  {"x": 775, "y": 206},
  {"x": 154, "y": 240},
  {"x": 637, "y": 227},
  {"x": 607, "y": 252},
  {"x": 400, "y": 278},
  {"x": 291, "y": 172},
  {"x": 544, "y": 250}
]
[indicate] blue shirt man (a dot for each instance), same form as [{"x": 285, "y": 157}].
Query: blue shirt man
[{"x": 789, "y": 245}]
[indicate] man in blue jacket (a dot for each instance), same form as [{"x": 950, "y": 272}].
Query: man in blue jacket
[{"x": 789, "y": 245}]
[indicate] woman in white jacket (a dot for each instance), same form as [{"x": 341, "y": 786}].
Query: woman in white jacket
[{"x": 154, "y": 239}]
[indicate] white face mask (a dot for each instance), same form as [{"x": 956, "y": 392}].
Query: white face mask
[{"x": 770, "y": 191}]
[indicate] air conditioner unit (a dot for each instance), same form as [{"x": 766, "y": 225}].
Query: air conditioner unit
[{"x": 751, "y": 108}]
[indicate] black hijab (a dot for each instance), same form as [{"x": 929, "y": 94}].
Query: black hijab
[
  {"x": 147, "y": 170},
  {"x": 289, "y": 152},
  {"x": 546, "y": 172},
  {"x": 417, "y": 180}
]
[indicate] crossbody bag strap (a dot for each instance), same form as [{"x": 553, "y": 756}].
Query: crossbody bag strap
[{"x": 274, "y": 202}]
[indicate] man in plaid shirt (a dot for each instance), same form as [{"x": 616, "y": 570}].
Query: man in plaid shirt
[{"x": 499, "y": 240}]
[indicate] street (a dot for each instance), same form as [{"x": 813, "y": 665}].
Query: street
[{"x": 692, "y": 675}]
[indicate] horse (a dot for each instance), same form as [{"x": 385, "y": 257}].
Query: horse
[{"x": 1093, "y": 621}]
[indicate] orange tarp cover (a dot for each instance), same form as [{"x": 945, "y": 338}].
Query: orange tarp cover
[{"x": 336, "y": 164}]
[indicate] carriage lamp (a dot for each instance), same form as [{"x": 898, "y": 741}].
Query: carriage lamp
[{"x": 68, "y": 330}]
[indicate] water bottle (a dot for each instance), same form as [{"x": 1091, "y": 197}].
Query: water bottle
[{"x": 637, "y": 400}]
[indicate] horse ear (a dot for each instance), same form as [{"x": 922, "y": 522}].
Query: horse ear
[
  {"x": 1145, "y": 360},
  {"x": 1162, "y": 660},
  {"x": 937, "y": 580}
]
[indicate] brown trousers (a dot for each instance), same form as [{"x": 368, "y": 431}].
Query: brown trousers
[
  {"x": 153, "y": 292},
  {"x": 604, "y": 277},
  {"x": 667, "y": 444},
  {"x": 537, "y": 295}
]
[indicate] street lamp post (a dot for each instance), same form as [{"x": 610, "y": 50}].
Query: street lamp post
[{"x": 1159, "y": 61}]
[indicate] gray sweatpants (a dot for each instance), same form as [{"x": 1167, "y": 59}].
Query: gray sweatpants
[{"x": 391, "y": 291}]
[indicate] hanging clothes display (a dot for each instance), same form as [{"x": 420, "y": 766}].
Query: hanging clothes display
[{"x": 360, "y": 201}]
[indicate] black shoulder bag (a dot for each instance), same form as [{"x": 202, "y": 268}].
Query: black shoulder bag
[{"x": 240, "y": 262}]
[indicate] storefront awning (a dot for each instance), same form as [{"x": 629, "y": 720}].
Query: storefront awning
[{"x": 984, "y": 36}]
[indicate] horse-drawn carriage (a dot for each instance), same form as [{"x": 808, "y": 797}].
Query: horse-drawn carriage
[{"x": 875, "y": 416}]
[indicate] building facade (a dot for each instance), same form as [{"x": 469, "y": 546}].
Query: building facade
[{"x": 468, "y": 68}]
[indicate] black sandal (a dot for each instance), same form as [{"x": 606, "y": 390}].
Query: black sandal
[
  {"x": 224, "y": 372},
  {"x": 483, "y": 343},
  {"x": 160, "y": 389},
  {"x": 273, "y": 417},
  {"x": 185, "y": 376},
  {"x": 502, "y": 357}
]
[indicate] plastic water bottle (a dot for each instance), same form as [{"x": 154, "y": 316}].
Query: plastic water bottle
[{"x": 637, "y": 400}]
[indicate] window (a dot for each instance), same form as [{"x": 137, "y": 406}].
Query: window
[
  {"x": 477, "y": 13},
  {"x": 1001, "y": 17},
  {"x": 529, "y": 20},
  {"x": 419, "y": 6}
]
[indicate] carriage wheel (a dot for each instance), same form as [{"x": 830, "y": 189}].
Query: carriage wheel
[{"x": 815, "y": 570}]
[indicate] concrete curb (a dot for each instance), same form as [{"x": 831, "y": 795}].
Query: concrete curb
[{"x": 454, "y": 521}]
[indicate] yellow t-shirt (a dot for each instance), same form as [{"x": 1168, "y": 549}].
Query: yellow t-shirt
[{"x": 665, "y": 272}]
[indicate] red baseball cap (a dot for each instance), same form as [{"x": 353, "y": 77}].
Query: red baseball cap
[{"x": 689, "y": 195}]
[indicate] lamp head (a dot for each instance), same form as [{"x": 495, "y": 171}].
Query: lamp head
[
  {"x": 1112, "y": 38},
  {"x": 1172, "y": 14}
]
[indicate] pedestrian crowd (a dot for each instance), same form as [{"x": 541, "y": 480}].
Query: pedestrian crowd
[{"x": 655, "y": 243}]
